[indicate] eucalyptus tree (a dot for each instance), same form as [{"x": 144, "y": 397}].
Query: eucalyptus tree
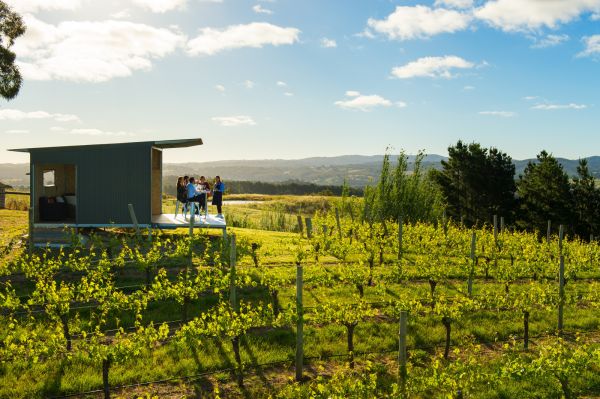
[{"x": 11, "y": 27}]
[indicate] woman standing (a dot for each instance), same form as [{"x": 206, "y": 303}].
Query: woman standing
[{"x": 217, "y": 199}]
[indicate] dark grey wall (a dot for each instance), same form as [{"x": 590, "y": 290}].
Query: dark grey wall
[{"x": 108, "y": 178}]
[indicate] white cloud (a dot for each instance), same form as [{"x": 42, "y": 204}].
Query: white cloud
[
  {"x": 234, "y": 121},
  {"x": 365, "y": 103},
  {"x": 549, "y": 41},
  {"x": 433, "y": 67},
  {"x": 249, "y": 84},
  {"x": 454, "y": 3},
  {"x": 419, "y": 22},
  {"x": 255, "y": 35},
  {"x": 220, "y": 88},
  {"x": 18, "y": 115},
  {"x": 468, "y": 88},
  {"x": 123, "y": 14},
  {"x": 592, "y": 46},
  {"x": 288, "y": 94},
  {"x": 87, "y": 51},
  {"x": 160, "y": 6},
  {"x": 98, "y": 132},
  {"x": 530, "y": 98},
  {"x": 502, "y": 114},
  {"x": 552, "y": 107},
  {"x": 261, "y": 10},
  {"x": 595, "y": 16},
  {"x": 23, "y": 6},
  {"x": 57, "y": 129},
  {"x": 328, "y": 43},
  {"x": 527, "y": 15},
  {"x": 366, "y": 33},
  {"x": 281, "y": 83},
  {"x": 16, "y": 131}
]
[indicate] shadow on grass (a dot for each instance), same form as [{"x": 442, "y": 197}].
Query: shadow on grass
[
  {"x": 53, "y": 381},
  {"x": 254, "y": 362},
  {"x": 202, "y": 385}
]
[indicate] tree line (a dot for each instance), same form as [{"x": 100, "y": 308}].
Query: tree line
[
  {"x": 284, "y": 188},
  {"x": 475, "y": 183}
]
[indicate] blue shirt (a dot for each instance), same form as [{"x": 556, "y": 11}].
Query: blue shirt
[
  {"x": 219, "y": 187},
  {"x": 191, "y": 190}
]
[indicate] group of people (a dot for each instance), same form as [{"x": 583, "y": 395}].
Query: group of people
[{"x": 191, "y": 190}]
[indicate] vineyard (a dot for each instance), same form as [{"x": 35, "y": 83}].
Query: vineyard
[{"x": 346, "y": 308}]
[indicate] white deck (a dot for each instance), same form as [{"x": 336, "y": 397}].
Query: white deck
[
  {"x": 163, "y": 221},
  {"x": 170, "y": 221}
]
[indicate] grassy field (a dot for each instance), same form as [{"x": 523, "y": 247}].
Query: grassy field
[
  {"x": 264, "y": 212},
  {"x": 325, "y": 345}
]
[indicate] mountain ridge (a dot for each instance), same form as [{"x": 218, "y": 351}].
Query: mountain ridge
[{"x": 357, "y": 170}]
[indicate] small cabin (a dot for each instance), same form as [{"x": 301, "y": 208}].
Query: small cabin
[{"x": 93, "y": 185}]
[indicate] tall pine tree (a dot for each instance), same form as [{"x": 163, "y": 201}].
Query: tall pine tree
[
  {"x": 477, "y": 183},
  {"x": 544, "y": 194},
  {"x": 586, "y": 201}
]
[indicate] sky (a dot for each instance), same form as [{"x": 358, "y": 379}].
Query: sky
[{"x": 300, "y": 78}]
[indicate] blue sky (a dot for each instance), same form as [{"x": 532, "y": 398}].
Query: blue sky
[{"x": 292, "y": 79}]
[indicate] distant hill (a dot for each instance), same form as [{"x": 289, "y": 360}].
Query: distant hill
[{"x": 358, "y": 170}]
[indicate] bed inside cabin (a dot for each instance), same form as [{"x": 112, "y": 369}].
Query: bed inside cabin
[{"x": 55, "y": 193}]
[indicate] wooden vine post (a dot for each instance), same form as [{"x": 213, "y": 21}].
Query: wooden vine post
[
  {"x": 496, "y": 230},
  {"x": 402, "y": 351},
  {"x": 233, "y": 303},
  {"x": 232, "y": 260},
  {"x": 299, "y": 323},
  {"x": 494, "y": 252},
  {"x": 445, "y": 223},
  {"x": 192, "y": 213},
  {"x": 339, "y": 224},
  {"x": 561, "y": 282},
  {"x": 308, "y": 228},
  {"x": 30, "y": 236},
  {"x": 188, "y": 265},
  {"x": 300, "y": 225},
  {"x": 548, "y": 231},
  {"x": 501, "y": 224},
  {"x": 473, "y": 261},
  {"x": 400, "y": 228},
  {"x": 105, "y": 384}
]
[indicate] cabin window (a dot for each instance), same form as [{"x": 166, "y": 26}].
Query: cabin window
[{"x": 49, "y": 178}]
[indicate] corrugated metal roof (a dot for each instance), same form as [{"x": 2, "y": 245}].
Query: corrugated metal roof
[{"x": 181, "y": 143}]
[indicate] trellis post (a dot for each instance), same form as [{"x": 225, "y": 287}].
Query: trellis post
[
  {"x": 402, "y": 350},
  {"x": 299, "y": 323}
]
